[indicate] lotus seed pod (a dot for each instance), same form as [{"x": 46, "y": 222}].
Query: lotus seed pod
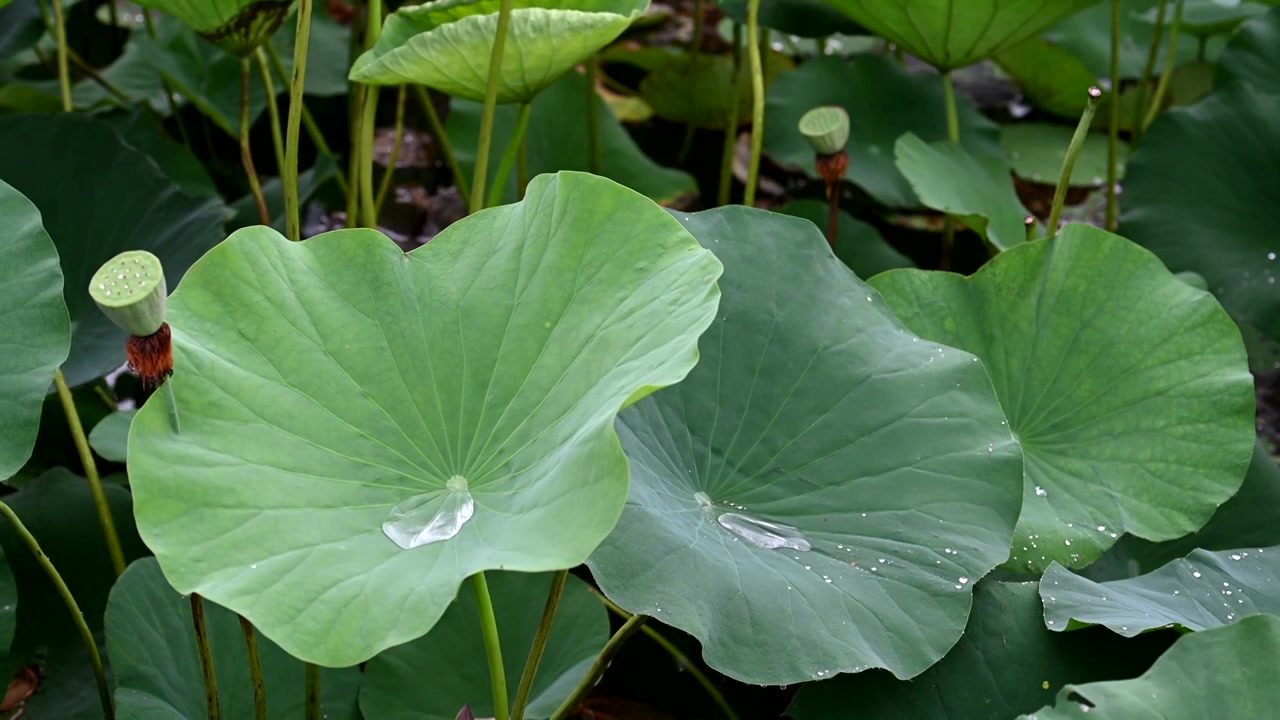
[
  {"x": 130, "y": 290},
  {"x": 826, "y": 128}
]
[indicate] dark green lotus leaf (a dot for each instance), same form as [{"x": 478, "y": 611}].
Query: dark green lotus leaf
[
  {"x": 140, "y": 129},
  {"x": 699, "y": 90},
  {"x": 99, "y": 197},
  {"x": 822, "y": 491},
  {"x": 1228, "y": 672},
  {"x": 1006, "y": 663},
  {"x": 1037, "y": 150},
  {"x": 1230, "y": 144},
  {"x": 152, "y": 646},
  {"x": 1211, "y": 17},
  {"x": 1051, "y": 79},
  {"x": 464, "y": 410},
  {"x": 1087, "y": 35},
  {"x": 8, "y": 604},
  {"x": 858, "y": 244},
  {"x": 33, "y": 321},
  {"x": 953, "y": 33},
  {"x": 236, "y": 26},
  {"x": 1201, "y": 591},
  {"x": 431, "y": 677},
  {"x": 447, "y": 44},
  {"x": 110, "y": 438},
  {"x": 802, "y": 18},
  {"x": 557, "y": 140},
  {"x": 1128, "y": 389},
  {"x": 884, "y": 101},
  {"x": 977, "y": 191}
]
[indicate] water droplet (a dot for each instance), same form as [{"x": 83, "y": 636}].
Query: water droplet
[
  {"x": 430, "y": 517},
  {"x": 763, "y": 533},
  {"x": 1271, "y": 256},
  {"x": 1040, "y": 492},
  {"x": 1196, "y": 573},
  {"x": 1235, "y": 557},
  {"x": 964, "y": 580}
]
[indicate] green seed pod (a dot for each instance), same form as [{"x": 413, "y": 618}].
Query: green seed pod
[
  {"x": 130, "y": 289},
  {"x": 826, "y": 128}
]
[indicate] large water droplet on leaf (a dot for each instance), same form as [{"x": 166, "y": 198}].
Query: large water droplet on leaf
[
  {"x": 764, "y": 533},
  {"x": 430, "y": 517}
]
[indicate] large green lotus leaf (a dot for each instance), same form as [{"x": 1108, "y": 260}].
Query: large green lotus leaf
[
  {"x": 33, "y": 318},
  {"x": 1251, "y": 518},
  {"x": 1211, "y": 17},
  {"x": 700, "y": 90},
  {"x": 1201, "y": 591},
  {"x": 152, "y": 646},
  {"x": 953, "y": 33},
  {"x": 858, "y": 244},
  {"x": 977, "y": 191},
  {"x": 1230, "y": 144},
  {"x": 1127, "y": 388},
  {"x": 1087, "y": 35},
  {"x": 140, "y": 129},
  {"x": 236, "y": 26},
  {"x": 336, "y": 394},
  {"x": 557, "y": 140},
  {"x": 99, "y": 197},
  {"x": 1006, "y": 663},
  {"x": 446, "y": 44},
  {"x": 1228, "y": 672},
  {"x": 110, "y": 437},
  {"x": 1037, "y": 150},
  {"x": 1051, "y": 79},
  {"x": 884, "y": 101},
  {"x": 433, "y": 676},
  {"x": 822, "y": 491}
]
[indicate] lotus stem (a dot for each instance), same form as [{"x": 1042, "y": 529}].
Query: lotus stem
[
  {"x": 354, "y": 159},
  {"x": 522, "y": 167},
  {"x": 509, "y": 155},
  {"x": 246, "y": 154},
  {"x": 490, "y": 107},
  {"x": 1113, "y": 119},
  {"x": 953, "y": 134},
  {"x": 308, "y": 122},
  {"x": 368, "y": 119},
  {"x": 442, "y": 141},
  {"x": 695, "y": 49},
  {"x": 676, "y": 654},
  {"x": 1030, "y": 223},
  {"x": 593, "y": 119},
  {"x": 757, "y": 102},
  {"x": 489, "y": 628},
  {"x": 1069, "y": 162},
  {"x": 206, "y": 657},
  {"x": 394, "y": 159},
  {"x": 104, "y": 691},
  {"x": 90, "y": 472},
  {"x": 539, "y": 644},
  {"x": 255, "y": 670},
  {"x": 273, "y": 111},
  {"x": 731, "y": 129},
  {"x": 313, "y": 692},
  {"x": 289, "y": 173},
  {"x": 1157, "y": 36},
  {"x": 1169, "y": 61},
  {"x": 60, "y": 36},
  {"x": 611, "y": 648}
]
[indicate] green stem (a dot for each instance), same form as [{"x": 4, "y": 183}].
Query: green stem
[
  {"x": 90, "y": 472},
  {"x": 308, "y": 122},
  {"x": 104, "y": 691},
  {"x": 368, "y": 119},
  {"x": 953, "y": 134},
  {"x": 255, "y": 670},
  {"x": 731, "y": 128},
  {"x": 1113, "y": 119},
  {"x": 489, "y": 628},
  {"x": 539, "y": 644},
  {"x": 60, "y": 35},
  {"x": 1169, "y": 62},
  {"x": 354, "y": 159},
  {"x": 442, "y": 142},
  {"x": 246, "y": 154},
  {"x": 289, "y": 173},
  {"x": 1157, "y": 36},
  {"x": 593, "y": 119},
  {"x": 522, "y": 167},
  {"x": 695, "y": 48},
  {"x": 206, "y": 657},
  {"x": 394, "y": 159},
  {"x": 509, "y": 155},
  {"x": 313, "y": 692},
  {"x": 1069, "y": 162},
  {"x": 683, "y": 660},
  {"x": 757, "y": 101},
  {"x": 611, "y": 648},
  {"x": 273, "y": 109},
  {"x": 490, "y": 107}
]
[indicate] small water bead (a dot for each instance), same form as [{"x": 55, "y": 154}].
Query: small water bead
[
  {"x": 964, "y": 580},
  {"x": 764, "y": 533},
  {"x": 1040, "y": 492},
  {"x": 1195, "y": 573},
  {"x": 1271, "y": 256}
]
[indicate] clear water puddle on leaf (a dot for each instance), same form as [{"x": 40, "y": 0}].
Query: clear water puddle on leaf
[
  {"x": 430, "y": 517},
  {"x": 762, "y": 533}
]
